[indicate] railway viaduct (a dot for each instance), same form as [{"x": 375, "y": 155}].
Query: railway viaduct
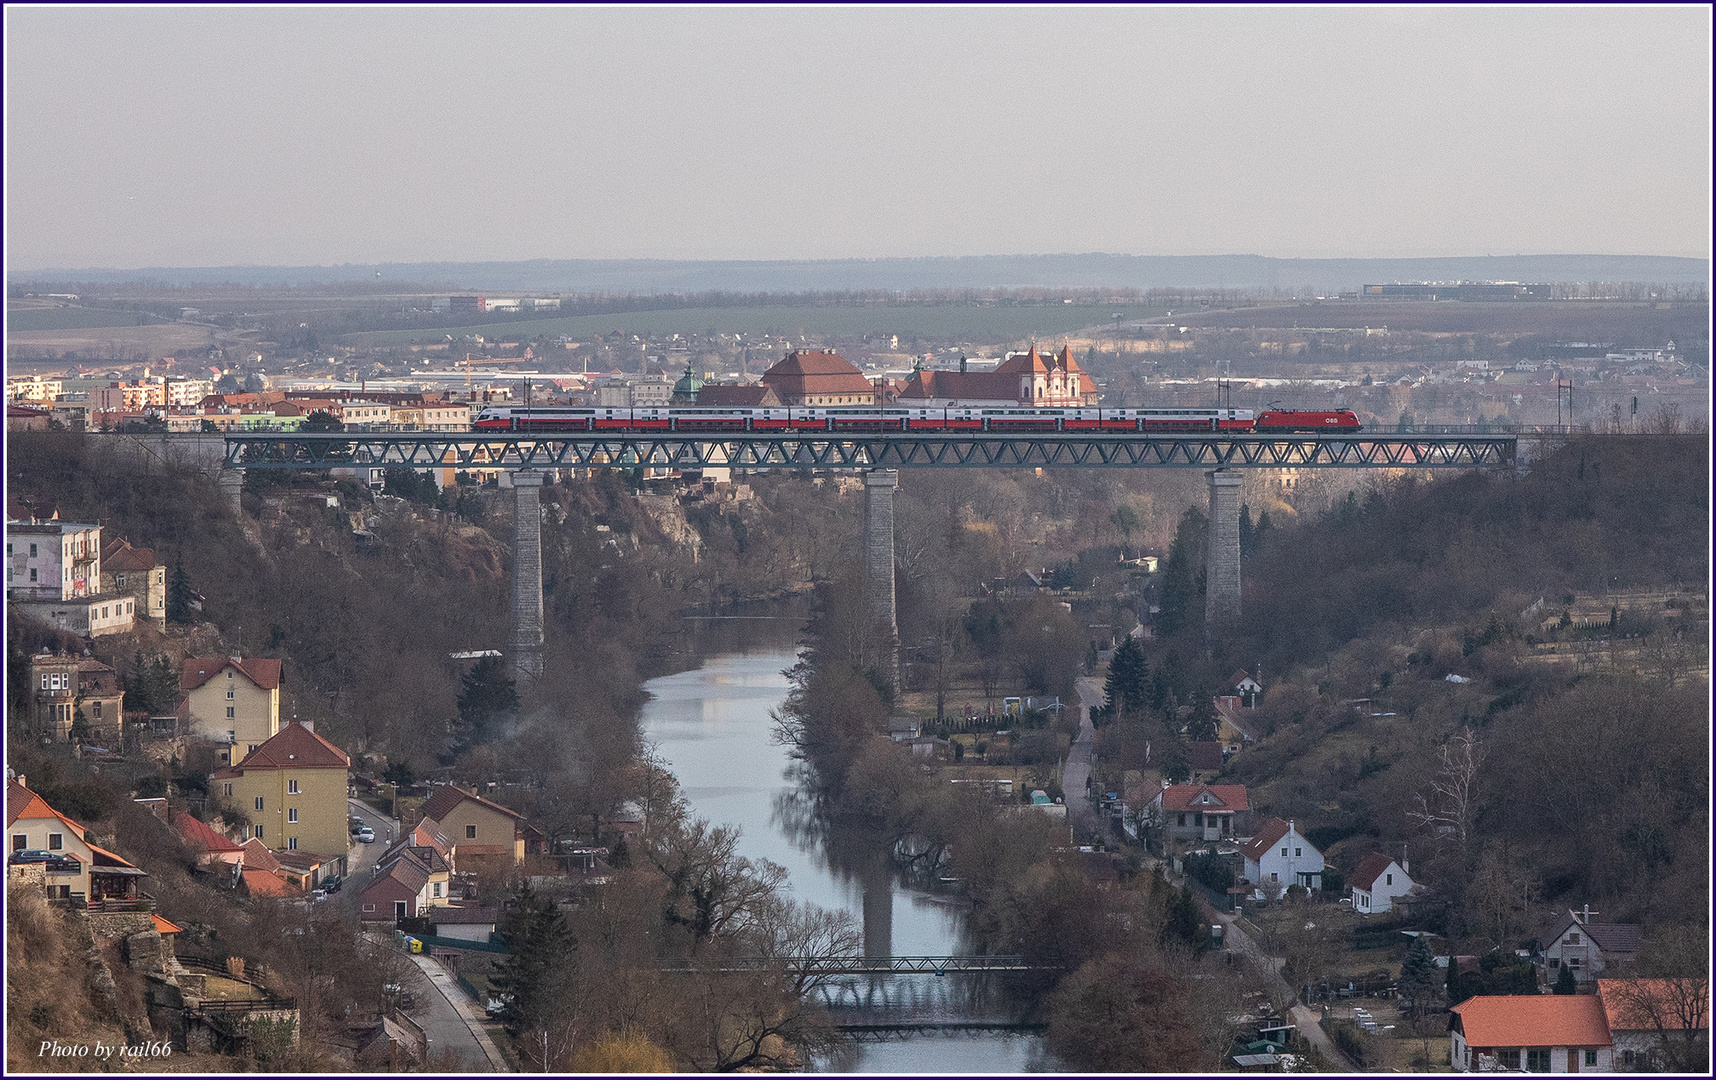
[{"x": 529, "y": 458}]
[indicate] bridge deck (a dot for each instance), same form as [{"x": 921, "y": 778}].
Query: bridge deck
[
  {"x": 863, "y": 452},
  {"x": 857, "y": 965}
]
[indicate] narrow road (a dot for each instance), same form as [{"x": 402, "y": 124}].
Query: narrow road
[
  {"x": 1075, "y": 774},
  {"x": 1304, "y": 1018},
  {"x": 485, "y": 1057},
  {"x": 440, "y": 1018}
]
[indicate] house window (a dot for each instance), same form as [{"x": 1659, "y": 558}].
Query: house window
[
  {"x": 1182, "y": 821},
  {"x": 229, "y": 673},
  {"x": 32, "y": 573},
  {"x": 1554, "y": 962},
  {"x": 1298, "y": 853},
  {"x": 1507, "y": 1059},
  {"x": 20, "y": 841},
  {"x": 251, "y": 749},
  {"x": 369, "y": 907},
  {"x": 292, "y": 816},
  {"x": 291, "y": 843},
  {"x": 98, "y": 710},
  {"x": 1283, "y": 853},
  {"x": 226, "y": 789},
  {"x": 56, "y": 841},
  {"x": 259, "y": 802},
  {"x": 437, "y": 888},
  {"x": 1537, "y": 1061},
  {"x": 230, "y": 714},
  {"x": 1198, "y": 820},
  {"x": 230, "y": 694},
  {"x": 291, "y": 787},
  {"x": 470, "y": 832},
  {"x": 1572, "y": 939},
  {"x": 1590, "y": 1057},
  {"x": 32, "y": 555},
  {"x": 1274, "y": 877},
  {"x": 259, "y": 832},
  {"x": 1388, "y": 879}
]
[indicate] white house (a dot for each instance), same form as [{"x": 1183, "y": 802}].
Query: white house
[
  {"x": 1587, "y": 947},
  {"x": 1377, "y": 882},
  {"x": 1279, "y": 854}
]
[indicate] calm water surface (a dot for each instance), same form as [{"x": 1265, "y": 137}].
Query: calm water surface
[{"x": 713, "y": 727}]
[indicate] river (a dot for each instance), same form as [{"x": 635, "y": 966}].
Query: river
[{"x": 712, "y": 725}]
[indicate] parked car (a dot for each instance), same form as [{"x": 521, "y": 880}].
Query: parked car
[
  {"x": 332, "y": 885},
  {"x": 366, "y": 835},
  {"x": 318, "y": 894},
  {"x": 32, "y": 855}
]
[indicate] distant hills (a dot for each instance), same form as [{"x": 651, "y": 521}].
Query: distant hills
[{"x": 962, "y": 272}]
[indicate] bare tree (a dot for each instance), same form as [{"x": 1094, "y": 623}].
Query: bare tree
[{"x": 1449, "y": 805}]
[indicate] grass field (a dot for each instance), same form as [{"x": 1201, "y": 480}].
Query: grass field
[
  {"x": 113, "y": 341},
  {"x": 941, "y": 322},
  {"x": 71, "y": 318}
]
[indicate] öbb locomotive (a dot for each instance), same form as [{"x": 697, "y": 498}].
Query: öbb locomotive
[{"x": 891, "y": 418}]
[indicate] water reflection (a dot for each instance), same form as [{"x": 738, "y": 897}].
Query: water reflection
[{"x": 712, "y": 725}]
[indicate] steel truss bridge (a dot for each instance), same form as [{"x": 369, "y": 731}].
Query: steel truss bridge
[
  {"x": 856, "y": 451},
  {"x": 834, "y": 966}
]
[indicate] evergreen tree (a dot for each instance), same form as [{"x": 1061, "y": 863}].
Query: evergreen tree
[
  {"x": 1184, "y": 924},
  {"x": 488, "y": 695},
  {"x": 540, "y": 955},
  {"x": 1246, "y": 533},
  {"x": 1182, "y": 578},
  {"x": 1565, "y": 983},
  {"x": 179, "y": 595},
  {"x": 1418, "y": 977},
  {"x": 1128, "y": 686}
]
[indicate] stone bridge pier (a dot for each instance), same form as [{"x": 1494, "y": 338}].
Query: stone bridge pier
[
  {"x": 1221, "y": 585},
  {"x": 879, "y": 487},
  {"x": 525, "y": 658}
]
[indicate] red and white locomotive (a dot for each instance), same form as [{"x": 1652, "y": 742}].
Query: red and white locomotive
[{"x": 887, "y": 418}]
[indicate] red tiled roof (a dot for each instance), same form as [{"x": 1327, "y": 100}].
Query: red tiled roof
[
  {"x": 199, "y": 836},
  {"x": 263, "y": 883},
  {"x": 295, "y": 747},
  {"x": 258, "y": 857},
  {"x": 1638, "y": 1004},
  {"x": 1533, "y": 1020},
  {"x": 1183, "y": 796},
  {"x": 966, "y": 387},
  {"x": 1265, "y": 838},
  {"x": 1372, "y": 867},
  {"x": 198, "y": 670},
  {"x": 804, "y": 373},
  {"x": 120, "y": 555},
  {"x": 21, "y": 802},
  {"x": 446, "y": 797},
  {"x": 162, "y": 926}
]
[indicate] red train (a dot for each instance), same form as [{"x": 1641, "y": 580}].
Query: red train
[{"x": 885, "y": 418}]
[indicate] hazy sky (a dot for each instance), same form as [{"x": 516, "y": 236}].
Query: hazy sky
[{"x": 198, "y": 136}]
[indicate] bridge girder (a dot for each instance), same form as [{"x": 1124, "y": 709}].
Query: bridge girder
[{"x": 865, "y": 452}]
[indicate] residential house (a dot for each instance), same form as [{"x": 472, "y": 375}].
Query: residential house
[
  {"x": 1530, "y": 1032},
  {"x": 395, "y": 1044},
  {"x": 431, "y": 861},
  {"x": 264, "y": 875},
  {"x": 231, "y": 700},
  {"x": 1198, "y": 812},
  {"x": 1205, "y": 760},
  {"x": 308, "y": 869},
  {"x": 82, "y": 870},
  {"x": 135, "y": 572},
  {"x": 399, "y": 892},
  {"x": 1246, "y": 687},
  {"x": 478, "y": 828},
  {"x": 24, "y": 418},
  {"x": 1587, "y": 947},
  {"x": 1234, "y": 728},
  {"x": 1377, "y": 883},
  {"x": 53, "y": 575},
  {"x": 65, "y": 686},
  {"x": 818, "y": 378},
  {"x": 292, "y": 791},
  {"x": 1281, "y": 856},
  {"x": 215, "y": 853},
  {"x": 1651, "y": 1019}
]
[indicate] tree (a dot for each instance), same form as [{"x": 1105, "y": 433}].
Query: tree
[
  {"x": 1184, "y": 925},
  {"x": 1418, "y": 978},
  {"x": 321, "y": 420},
  {"x": 488, "y": 694},
  {"x": 1128, "y": 686},
  {"x": 179, "y": 595},
  {"x": 1112, "y": 1015},
  {"x": 1246, "y": 532},
  {"x": 1565, "y": 983},
  {"x": 540, "y": 957},
  {"x": 1447, "y": 808},
  {"x": 1125, "y": 519},
  {"x": 1182, "y": 577}
]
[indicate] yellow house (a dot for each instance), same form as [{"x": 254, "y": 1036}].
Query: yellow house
[
  {"x": 1233, "y": 727},
  {"x": 231, "y": 700},
  {"x": 78, "y": 870},
  {"x": 477, "y": 828},
  {"x": 292, "y": 791}
]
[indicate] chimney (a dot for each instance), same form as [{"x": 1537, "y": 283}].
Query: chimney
[
  {"x": 1405, "y": 863},
  {"x": 962, "y": 363},
  {"x": 23, "y": 781}
]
